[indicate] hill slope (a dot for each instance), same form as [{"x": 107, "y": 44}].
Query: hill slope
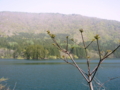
[{"x": 15, "y": 22}]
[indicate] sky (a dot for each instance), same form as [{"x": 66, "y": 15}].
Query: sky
[{"x": 104, "y": 9}]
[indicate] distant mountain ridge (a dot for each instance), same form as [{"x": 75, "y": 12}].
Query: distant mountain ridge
[{"x": 12, "y": 23}]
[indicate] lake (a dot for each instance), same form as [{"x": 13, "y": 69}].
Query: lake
[{"x": 56, "y": 74}]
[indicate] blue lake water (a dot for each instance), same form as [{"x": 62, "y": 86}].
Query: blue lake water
[{"x": 56, "y": 74}]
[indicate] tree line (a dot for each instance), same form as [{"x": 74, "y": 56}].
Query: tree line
[{"x": 39, "y": 46}]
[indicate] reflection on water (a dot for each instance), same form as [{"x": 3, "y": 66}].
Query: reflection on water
[{"x": 46, "y": 62}]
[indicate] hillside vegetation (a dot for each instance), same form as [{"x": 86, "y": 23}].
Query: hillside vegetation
[
  {"x": 15, "y": 22},
  {"x": 20, "y": 32}
]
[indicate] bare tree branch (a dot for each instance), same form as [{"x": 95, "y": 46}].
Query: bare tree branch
[
  {"x": 14, "y": 86},
  {"x": 104, "y": 59},
  {"x": 85, "y": 52},
  {"x": 99, "y": 49},
  {"x": 90, "y": 76},
  {"x": 67, "y": 44},
  {"x": 109, "y": 80},
  {"x": 56, "y": 43},
  {"x": 89, "y": 44},
  {"x": 80, "y": 70},
  {"x": 110, "y": 53}
]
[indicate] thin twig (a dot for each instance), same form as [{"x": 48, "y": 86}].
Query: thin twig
[
  {"x": 98, "y": 49},
  {"x": 89, "y": 44},
  {"x": 110, "y": 53},
  {"x": 14, "y": 86},
  {"x": 96, "y": 68},
  {"x": 109, "y": 80},
  {"x": 98, "y": 83},
  {"x": 67, "y": 43},
  {"x": 57, "y": 43},
  {"x": 86, "y": 53},
  {"x": 80, "y": 70},
  {"x": 68, "y": 62},
  {"x": 91, "y": 75}
]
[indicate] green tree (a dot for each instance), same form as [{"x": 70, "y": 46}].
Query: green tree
[{"x": 35, "y": 52}]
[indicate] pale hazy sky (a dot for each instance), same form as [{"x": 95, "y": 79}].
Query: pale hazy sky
[{"x": 106, "y": 9}]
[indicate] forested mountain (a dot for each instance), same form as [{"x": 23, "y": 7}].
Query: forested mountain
[
  {"x": 24, "y": 35},
  {"x": 15, "y": 22}
]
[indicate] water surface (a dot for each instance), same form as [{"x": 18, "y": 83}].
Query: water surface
[{"x": 56, "y": 74}]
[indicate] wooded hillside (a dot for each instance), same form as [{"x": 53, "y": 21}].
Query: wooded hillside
[
  {"x": 22, "y": 34},
  {"x": 15, "y": 22}
]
